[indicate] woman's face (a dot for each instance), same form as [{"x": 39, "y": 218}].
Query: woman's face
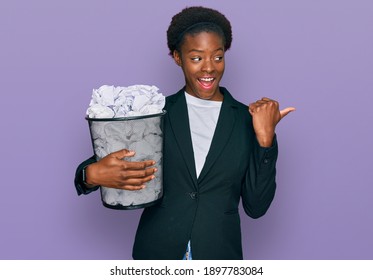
[{"x": 202, "y": 61}]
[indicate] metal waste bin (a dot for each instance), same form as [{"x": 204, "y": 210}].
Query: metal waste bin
[{"x": 142, "y": 134}]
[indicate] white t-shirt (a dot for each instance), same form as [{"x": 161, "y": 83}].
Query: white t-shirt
[{"x": 203, "y": 117}]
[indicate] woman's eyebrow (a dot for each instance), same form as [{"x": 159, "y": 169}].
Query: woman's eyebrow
[
  {"x": 195, "y": 50},
  {"x": 201, "y": 51}
]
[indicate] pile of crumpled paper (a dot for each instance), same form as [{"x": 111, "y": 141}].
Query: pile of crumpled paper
[{"x": 117, "y": 102}]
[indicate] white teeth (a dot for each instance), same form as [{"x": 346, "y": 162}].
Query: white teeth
[{"x": 206, "y": 79}]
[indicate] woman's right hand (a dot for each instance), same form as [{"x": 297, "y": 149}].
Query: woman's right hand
[{"x": 114, "y": 172}]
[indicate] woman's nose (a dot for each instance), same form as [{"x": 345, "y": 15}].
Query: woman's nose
[{"x": 208, "y": 66}]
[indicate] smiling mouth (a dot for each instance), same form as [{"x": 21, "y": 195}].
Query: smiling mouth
[{"x": 206, "y": 82}]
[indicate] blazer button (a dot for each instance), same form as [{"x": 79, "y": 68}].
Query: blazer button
[{"x": 193, "y": 195}]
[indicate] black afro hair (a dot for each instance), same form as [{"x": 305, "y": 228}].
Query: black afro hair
[{"x": 192, "y": 20}]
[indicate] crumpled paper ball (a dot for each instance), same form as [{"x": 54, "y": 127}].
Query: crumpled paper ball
[{"x": 116, "y": 102}]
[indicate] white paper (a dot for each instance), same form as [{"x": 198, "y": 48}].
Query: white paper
[{"x": 116, "y": 102}]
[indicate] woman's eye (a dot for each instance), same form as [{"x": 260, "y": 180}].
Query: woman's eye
[
  {"x": 218, "y": 58},
  {"x": 196, "y": 58}
]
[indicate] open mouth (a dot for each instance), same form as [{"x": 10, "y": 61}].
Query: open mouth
[{"x": 206, "y": 82}]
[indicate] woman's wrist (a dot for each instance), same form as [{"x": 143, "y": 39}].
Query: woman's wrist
[
  {"x": 265, "y": 141},
  {"x": 87, "y": 177}
]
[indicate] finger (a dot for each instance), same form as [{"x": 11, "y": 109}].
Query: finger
[
  {"x": 137, "y": 173},
  {"x": 137, "y": 165},
  {"x": 269, "y": 101},
  {"x": 286, "y": 111},
  {"x": 266, "y": 102},
  {"x": 123, "y": 153},
  {"x": 253, "y": 107},
  {"x": 260, "y": 102},
  {"x": 256, "y": 104},
  {"x": 135, "y": 184},
  {"x": 132, "y": 188}
]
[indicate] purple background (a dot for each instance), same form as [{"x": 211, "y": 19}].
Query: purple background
[{"x": 314, "y": 55}]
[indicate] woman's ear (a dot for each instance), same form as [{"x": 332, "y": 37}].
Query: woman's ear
[{"x": 177, "y": 57}]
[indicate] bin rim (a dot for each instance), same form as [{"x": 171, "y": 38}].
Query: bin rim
[{"x": 126, "y": 118}]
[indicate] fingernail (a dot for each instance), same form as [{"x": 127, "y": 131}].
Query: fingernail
[{"x": 155, "y": 170}]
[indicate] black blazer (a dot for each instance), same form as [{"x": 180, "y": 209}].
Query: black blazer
[{"x": 205, "y": 210}]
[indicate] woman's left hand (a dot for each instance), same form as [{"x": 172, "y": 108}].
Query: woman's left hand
[{"x": 266, "y": 115}]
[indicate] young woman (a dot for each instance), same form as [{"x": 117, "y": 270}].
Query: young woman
[{"x": 216, "y": 152}]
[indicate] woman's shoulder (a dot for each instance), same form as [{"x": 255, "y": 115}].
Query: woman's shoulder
[
  {"x": 174, "y": 97},
  {"x": 234, "y": 102}
]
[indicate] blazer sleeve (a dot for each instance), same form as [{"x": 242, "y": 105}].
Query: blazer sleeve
[
  {"x": 259, "y": 186},
  {"x": 81, "y": 188}
]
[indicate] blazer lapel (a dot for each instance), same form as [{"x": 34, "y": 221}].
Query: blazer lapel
[
  {"x": 178, "y": 116},
  {"x": 224, "y": 127}
]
